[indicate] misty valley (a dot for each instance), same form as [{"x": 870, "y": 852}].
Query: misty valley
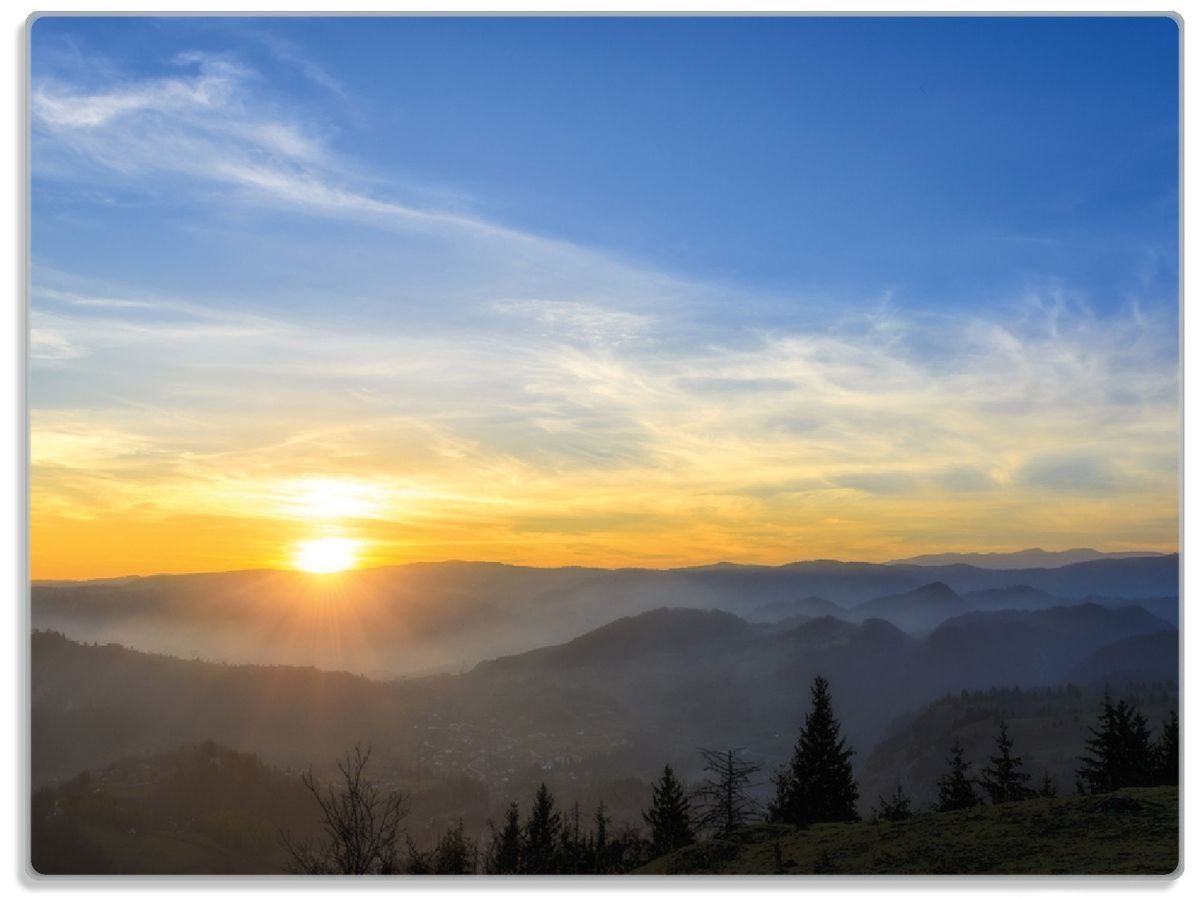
[{"x": 175, "y": 718}]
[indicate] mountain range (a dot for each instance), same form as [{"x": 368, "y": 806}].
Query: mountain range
[
  {"x": 474, "y": 683},
  {"x": 1026, "y": 558},
  {"x": 614, "y": 702},
  {"x": 449, "y": 616}
]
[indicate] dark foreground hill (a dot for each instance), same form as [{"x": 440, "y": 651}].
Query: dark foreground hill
[
  {"x": 205, "y": 809},
  {"x": 200, "y": 809},
  {"x": 1132, "y": 832}
]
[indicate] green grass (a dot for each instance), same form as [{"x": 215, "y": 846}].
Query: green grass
[{"x": 1075, "y": 835}]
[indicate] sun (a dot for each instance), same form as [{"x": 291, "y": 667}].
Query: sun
[{"x": 326, "y": 556}]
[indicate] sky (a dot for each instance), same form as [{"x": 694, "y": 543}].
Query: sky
[{"x": 614, "y": 292}]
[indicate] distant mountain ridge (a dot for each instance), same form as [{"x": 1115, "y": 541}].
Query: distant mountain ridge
[
  {"x": 920, "y": 608},
  {"x": 1020, "y": 596},
  {"x": 1025, "y": 558},
  {"x": 450, "y": 616}
]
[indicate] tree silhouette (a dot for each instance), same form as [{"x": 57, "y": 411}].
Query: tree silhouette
[
  {"x": 504, "y": 854},
  {"x": 669, "y": 816},
  {"x": 898, "y": 807},
  {"x": 420, "y": 863},
  {"x": 573, "y": 849},
  {"x": 955, "y": 791},
  {"x": 725, "y": 805},
  {"x": 1119, "y": 752},
  {"x": 1002, "y": 779},
  {"x": 540, "y": 839},
  {"x": 455, "y": 855},
  {"x": 600, "y": 847},
  {"x": 627, "y": 850},
  {"x": 1047, "y": 789},
  {"x": 1166, "y": 753},
  {"x": 818, "y": 785},
  {"x": 361, "y": 825}
]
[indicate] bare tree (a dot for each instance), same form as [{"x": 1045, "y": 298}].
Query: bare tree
[
  {"x": 361, "y": 824},
  {"x": 722, "y": 798}
]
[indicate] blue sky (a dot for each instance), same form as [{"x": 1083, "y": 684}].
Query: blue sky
[
  {"x": 942, "y": 159},
  {"x": 810, "y": 217}
]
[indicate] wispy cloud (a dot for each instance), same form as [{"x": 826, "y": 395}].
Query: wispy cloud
[
  {"x": 207, "y": 122},
  {"x": 292, "y": 54},
  {"x": 509, "y": 373}
]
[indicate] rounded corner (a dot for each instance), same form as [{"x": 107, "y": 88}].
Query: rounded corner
[
  {"x": 1177, "y": 872},
  {"x": 32, "y": 19},
  {"x": 30, "y": 874}
]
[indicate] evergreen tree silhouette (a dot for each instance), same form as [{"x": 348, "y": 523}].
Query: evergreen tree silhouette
[
  {"x": 1048, "y": 789},
  {"x": 1002, "y": 779},
  {"x": 455, "y": 855},
  {"x": 955, "y": 790},
  {"x": 1166, "y": 753},
  {"x": 725, "y": 805},
  {"x": 898, "y": 807},
  {"x": 504, "y": 856},
  {"x": 669, "y": 816},
  {"x": 541, "y": 835},
  {"x": 572, "y": 845},
  {"x": 600, "y": 844},
  {"x": 1119, "y": 752},
  {"x": 818, "y": 785}
]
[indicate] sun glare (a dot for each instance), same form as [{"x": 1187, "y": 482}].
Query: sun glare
[
  {"x": 326, "y": 556},
  {"x": 329, "y": 499}
]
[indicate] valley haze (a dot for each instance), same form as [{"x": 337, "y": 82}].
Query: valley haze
[
  {"x": 450, "y": 615},
  {"x": 585, "y": 679}
]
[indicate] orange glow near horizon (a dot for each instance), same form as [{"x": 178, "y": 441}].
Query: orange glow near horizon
[
  {"x": 652, "y": 532},
  {"x": 104, "y": 504},
  {"x": 299, "y": 355}
]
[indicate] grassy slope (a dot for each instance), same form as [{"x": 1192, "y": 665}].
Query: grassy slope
[{"x": 1043, "y": 836}]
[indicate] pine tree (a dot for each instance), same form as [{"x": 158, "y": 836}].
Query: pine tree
[
  {"x": 504, "y": 855},
  {"x": 669, "y": 816},
  {"x": 955, "y": 791},
  {"x": 572, "y": 845},
  {"x": 455, "y": 854},
  {"x": 898, "y": 807},
  {"x": 600, "y": 845},
  {"x": 1166, "y": 753},
  {"x": 1002, "y": 779},
  {"x": 1119, "y": 752},
  {"x": 1099, "y": 771},
  {"x": 818, "y": 786},
  {"x": 725, "y": 804},
  {"x": 1048, "y": 789},
  {"x": 541, "y": 834}
]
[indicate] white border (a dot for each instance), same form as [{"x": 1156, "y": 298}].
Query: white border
[{"x": 12, "y": 461}]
